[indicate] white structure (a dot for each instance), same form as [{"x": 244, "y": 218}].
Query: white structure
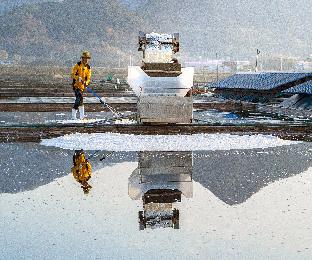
[
  {"x": 144, "y": 85},
  {"x": 160, "y": 77}
]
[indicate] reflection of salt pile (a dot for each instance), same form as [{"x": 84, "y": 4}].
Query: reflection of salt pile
[
  {"x": 160, "y": 209},
  {"x": 159, "y": 215}
]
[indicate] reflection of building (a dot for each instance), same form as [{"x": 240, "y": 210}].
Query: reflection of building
[{"x": 160, "y": 180}]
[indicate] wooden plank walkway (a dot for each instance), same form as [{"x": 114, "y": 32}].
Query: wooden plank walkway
[
  {"x": 59, "y": 104},
  {"x": 34, "y": 133}
]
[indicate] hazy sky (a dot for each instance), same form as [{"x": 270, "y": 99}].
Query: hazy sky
[
  {"x": 134, "y": 3},
  {"x": 6, "y": 5},
  {"x": 233, "y": 28}
]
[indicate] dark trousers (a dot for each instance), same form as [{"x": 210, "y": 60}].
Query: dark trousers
[{"x": 79, "y": 98}]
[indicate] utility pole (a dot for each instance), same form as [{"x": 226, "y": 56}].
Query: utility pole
[
  {"x": 217, "y": 69},
  {"x": 281, "y": 64},
  {"x": 256, "y": 68}
]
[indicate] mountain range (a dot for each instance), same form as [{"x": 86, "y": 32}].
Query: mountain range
[
  {"x": 236, "y": 28},
  {"x": 58, "y": 31}
]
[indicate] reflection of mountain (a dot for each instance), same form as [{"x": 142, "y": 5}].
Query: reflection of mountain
[
  {"x": 29, "y": 166},
  {"x": 234, "y": 176}
]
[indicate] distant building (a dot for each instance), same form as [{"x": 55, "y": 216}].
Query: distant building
[
  {"x": 303, "y": 66},
  {"x": 268, "y": 63},
  {"x": 264, "y": 86},
  {"x": 223, "y": 66}
]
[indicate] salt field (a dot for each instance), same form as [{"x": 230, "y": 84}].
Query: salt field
[
  {"x": 155, "y": 130},
  {"x": 201, "y": 116}
]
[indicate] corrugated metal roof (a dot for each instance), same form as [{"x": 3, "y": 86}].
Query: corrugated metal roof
[
  {"x": 260, "y": 81},
  {"x": 305, "y": 88}
]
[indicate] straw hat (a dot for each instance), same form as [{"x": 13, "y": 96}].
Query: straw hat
[{"x": 86, "y": 54}]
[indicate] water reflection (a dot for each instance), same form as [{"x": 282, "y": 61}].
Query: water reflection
[
  {"x": 233, "y": 176},
  {"x": 82, "y": 170},
  {"x": 160, "y": 181},
  {"x": 236, "y": 175},
  {"x": 237, "y": 204}
]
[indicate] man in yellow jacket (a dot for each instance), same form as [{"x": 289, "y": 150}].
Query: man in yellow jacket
[
  {"x": 82, "y": 170},
  {"x": 81, "y": 75}
]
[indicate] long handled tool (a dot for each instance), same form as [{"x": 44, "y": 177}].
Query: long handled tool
[
  {"x": 105, "y": 156},
  {"x": 114, "y": 111},
  {"x": 92, "y": 155},
  {"x": 97, "y": 153}
]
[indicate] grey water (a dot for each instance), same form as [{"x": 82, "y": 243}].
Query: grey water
[
  {"x": 234, "y": 204},
  {"x": 210, "y": 116}
]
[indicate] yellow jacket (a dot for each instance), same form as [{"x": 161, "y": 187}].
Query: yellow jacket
[
  {"x": 81, "y": 169},
  {"x": 81, "y": 71}
]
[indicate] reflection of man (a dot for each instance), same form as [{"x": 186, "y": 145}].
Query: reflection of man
[
  {"x": 82, "y": 170},
  {"x": 81, "y": 74}
]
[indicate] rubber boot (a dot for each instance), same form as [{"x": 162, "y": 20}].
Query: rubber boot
[
  {"x": 74, "y": 112},
  {"x": 81, "y": 112}
]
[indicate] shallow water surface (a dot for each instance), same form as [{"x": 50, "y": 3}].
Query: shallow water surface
[
  {"x": 210, "y": 116},
  {"x": 219, "y": 204}
]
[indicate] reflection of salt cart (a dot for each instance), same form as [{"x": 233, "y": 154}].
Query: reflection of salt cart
[
  {"x": 161, "y": 83},
  {"x": 160, "y": 180},
  {"x": 157, "y": 209}
]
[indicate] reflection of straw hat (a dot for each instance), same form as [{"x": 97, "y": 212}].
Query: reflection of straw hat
[
  {"x": 86, "y": 190},
  {"x": 86, "y": 54}
]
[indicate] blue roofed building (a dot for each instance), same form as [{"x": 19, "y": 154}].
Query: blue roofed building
[
  {"x": 305, "y": 88},
  {"x": 301, "y": 96},
  {"x": 264, "y": 86}
]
